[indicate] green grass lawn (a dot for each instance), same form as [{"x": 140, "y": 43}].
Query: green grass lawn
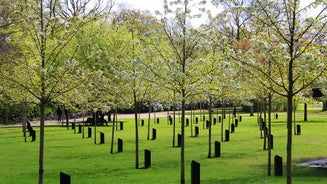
[{"x": 243, "y": 159}]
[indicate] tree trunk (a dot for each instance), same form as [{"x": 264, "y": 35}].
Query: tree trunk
[
  {"x": 136, "y": 132},
  {"x": 174, "y": 120},
  {"x": 182, "y": 139},
  {"x": 24, "y": 121},
  {"x": 265, "y": 131},
  {"x": 269, "y": 133},
  {"x": 191, "y": 120},
  {"x": 222, "y": 122},
  {"x": 305, "y": 112},
  {"x": 289, "y": 139},
  {"x": 41, "y": 151},
  {"x": 95, "y": 127},
  {"x": 149, "y": 119},
  {"x": 294, "y": 121},
  {"x": 113, "y": 132},
  {"x": 210, "y": 120},
  {"x": 229, "y": 118}
]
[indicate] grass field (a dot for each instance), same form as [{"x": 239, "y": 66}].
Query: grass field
[{"x": 242, "y": 160}]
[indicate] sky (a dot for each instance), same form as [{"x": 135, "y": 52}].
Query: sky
[{"x": 153, "y": 5}]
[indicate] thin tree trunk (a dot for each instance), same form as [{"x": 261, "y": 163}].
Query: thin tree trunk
[
  {"x": 24, "y": 121},
  {"x": 136, "y": 132},
  {"x": 294, "y": 121},
  {"x": 269, "y": 133},
  {"x": 222, "y": 122},
  {"x": 41, "y": 155},
  {"x": 210, "y": 120},
  {"x": 95, "y": 127},
  {"x": 149, "y": 119},
  {"x": 269, "y": 122},
  {"x": 191, "y": 119},
  {"x": 182, "y": 140},
  {"x": 265, "y": 127},
  {"x": 289, "y": 139},
  {"x": 305, "y": 118},
  {"x": 83, "y": 135},
  {"x": 174, "y": 119},
  {"x": 229, "y": 119},
  {"x": 113, "y": 132}
]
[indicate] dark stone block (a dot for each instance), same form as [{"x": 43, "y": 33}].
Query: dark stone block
[
  {"x": 33, "y": 134},
  {"x": 298, "y": 129},
  {"x": 170, "y": 120},
  {"x": 226, "y": 135},
  {"x": 219, "y": 119},
  {"x": 89, "y": 132},
  {"x": 187, "y": 122},
  {"x": 214, "y": 121},
  {"x": 236, "y": 122},
  {"x": 64, "y": 178},
  {"x": 196, "y": 131},
  {"x": 120, "y": 145},
  {"x": 179, "y": 140},
  {"x": 158, "y": 120},
  {"x": 142, "y": 122},
  {"x": 278, "y": 161},
  {"x": 195, "y": 172},
  {"x": 101, "y": 138},
  {"x": 217, "y": 149},
  {"x": 232, "y": 128},
  {"x": 240, "y": 118},
  {"x": 196, "y": 120},
  {"x": 73, "y": 126},
  {"x": 154, "y": 134},
  {"x": 262, "y": 125},
  {"x": 121, "y": 125},
  {"x": 207, "y": 124},
  {"x": 271, "y": 141},
  {"x": 147, "y": 158},
  {"x": 79, "y": 128},
  {"x": 276, "y": 116}
]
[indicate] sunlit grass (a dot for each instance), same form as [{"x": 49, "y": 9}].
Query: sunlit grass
[{"x": 243, "y": 159}]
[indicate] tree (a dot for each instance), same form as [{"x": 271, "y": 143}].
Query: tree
[
  {"x": 234, "y": 18},
  {"x": 46, "y": 70},
  {"x": 177, "y": 68},
  {"x": 136, "y": 25},
  {"x": 292, "y": 50}
]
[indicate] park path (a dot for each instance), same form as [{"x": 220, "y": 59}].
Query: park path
[{"x": 120, "y": 116}]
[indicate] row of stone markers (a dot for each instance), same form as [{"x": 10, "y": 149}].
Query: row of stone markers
[
  {"x": 195, "y": 166},
  {"x": 268, "y": 140},
  {"x": 65, "y": 178},
  {"x": 147, "y": 153}
]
